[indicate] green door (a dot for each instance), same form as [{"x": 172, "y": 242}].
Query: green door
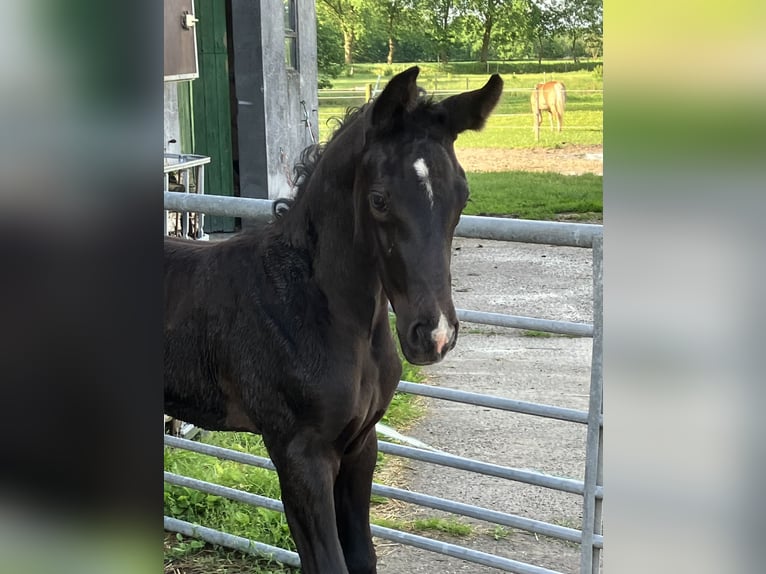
[{"x": 209, "y": 106}]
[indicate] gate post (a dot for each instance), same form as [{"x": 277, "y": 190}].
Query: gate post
[{"x": 591, "y": 516}]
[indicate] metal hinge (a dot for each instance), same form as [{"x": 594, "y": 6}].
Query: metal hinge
[{"x": 188, "y": 20}]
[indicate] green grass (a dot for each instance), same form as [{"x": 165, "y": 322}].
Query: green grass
[
  {"x": 541, "y": 196},
  {"x": 450, "y": 526},
  {"x": 499, "y": 532},
  {"x": 545, "y": 335},
  {"x": 220, "y": 513},
  {"x": 538, "y": 334},
  {"x": 434, "y": 76}
]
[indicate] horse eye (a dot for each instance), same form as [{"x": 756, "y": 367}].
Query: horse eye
[{"x": 378, "y": 202}]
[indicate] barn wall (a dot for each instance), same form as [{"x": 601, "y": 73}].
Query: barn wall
[
  {"x": 270, "y": 119},
  {"x": 171, "y": 121}
]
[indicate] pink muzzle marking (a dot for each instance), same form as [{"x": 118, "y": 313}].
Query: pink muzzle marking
[{"x": 442, "y": 334}]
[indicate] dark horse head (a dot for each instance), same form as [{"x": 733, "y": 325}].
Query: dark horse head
[{"x": 408, "y": 196}]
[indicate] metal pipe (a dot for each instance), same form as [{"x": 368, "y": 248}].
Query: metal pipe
[
  {"x": 501, "y": 403},
  {"x": 219, "y": 452},
  {"x": 225, "y": 491},
  {"x": 493, "y": 228},
  {"x": 528, "y": 231},
  {"x": 472, "y": 511},
  {"x": 245, "y": 207},
  {"x": 459, "y": 462},
  {"x": 505, "y": 564},
  {"x": 530, "y": 323},
  {"x": 230, "y": 541},
  {"x": 526, "y": 476}
]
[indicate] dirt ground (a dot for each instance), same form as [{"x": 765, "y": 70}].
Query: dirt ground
[{"x": 570, "y": 159}]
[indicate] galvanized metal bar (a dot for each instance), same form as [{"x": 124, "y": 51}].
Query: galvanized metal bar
[
  {"x": 501, "y": 403},
  {"x": 526, "y": 476},
  {"x": 434, "y": 502},
  {"x": 245, "y": 207},
  {"x": 166, "y": 182},
  {"x": 472, "y": 511},
  {"x": 186, "y": 179},
  {"x": 200, "y": 191},
  {"x": 495, "y": 228},
  {"x": 230, "y": 541},
  {"x": 453, "y": 550},
  {"x": 598, "y": 536},
  {"x": 528, "y": 231},
  {"x": 475, "y": 556},
  {"x": 459, "y": 462},
  {"x": 589, "y": 555},
  {"x": 225, "y": 491},
  {"x": 219, "y": 452},
  {"x": 183, "y": 161},
  {"x": 529, "y": 323}
]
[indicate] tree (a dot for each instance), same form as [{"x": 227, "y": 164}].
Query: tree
[
  {"x": 438, "y": 16},
  {"x": 348, "y": 15},
  {"x": 578, "y": 17},
  {"x": 489, "y": 14},
  {"x": 396, "y": 15},
  {"x": 329, "y": 51},
  {"x": 594, "y": 33},
  {"x": 594, "y": 42},
  {"x": 543, "y": 21}
]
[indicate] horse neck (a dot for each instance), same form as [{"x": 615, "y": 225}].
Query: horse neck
[{"x": 344, "y": 268}]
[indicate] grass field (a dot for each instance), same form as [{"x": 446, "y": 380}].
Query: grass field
[
  {"x": 542, "y": 196},
  {"x": 510, "y": 124},
  {"x": 517, "y": 194}
]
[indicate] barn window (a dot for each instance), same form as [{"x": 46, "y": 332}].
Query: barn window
[{"x": 291, "y": 35}]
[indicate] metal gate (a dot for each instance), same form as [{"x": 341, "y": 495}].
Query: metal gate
[{"x": 590, "y": 488}]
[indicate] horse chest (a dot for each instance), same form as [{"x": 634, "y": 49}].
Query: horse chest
[{"x": 380, "y": 378}]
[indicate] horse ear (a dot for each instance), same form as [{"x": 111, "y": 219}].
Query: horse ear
[
  {"x": 470, "y": 110},
  {"x": 400, "y": 94}
]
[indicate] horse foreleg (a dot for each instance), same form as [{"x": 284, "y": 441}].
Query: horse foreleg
[
  {"x": 352, "y": 505},
  {"x": 538, "y": 120},
  {"x": 307, "y": 471}
]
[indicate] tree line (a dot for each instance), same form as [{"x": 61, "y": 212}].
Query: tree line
[{"x": 350, "y": 31}]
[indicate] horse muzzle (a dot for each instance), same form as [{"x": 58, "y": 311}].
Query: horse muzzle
[{"x": 427, "y": 342}]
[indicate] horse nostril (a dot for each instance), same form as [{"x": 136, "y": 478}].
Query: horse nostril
[{"x": 417, "y": 334}]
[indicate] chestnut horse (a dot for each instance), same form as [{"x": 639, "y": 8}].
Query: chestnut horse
[
  {"x": 550, "y": 97},
  {"x": 284, "y": 330}
]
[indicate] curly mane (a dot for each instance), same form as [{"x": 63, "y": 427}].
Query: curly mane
[{"x": 309, "y": 159}]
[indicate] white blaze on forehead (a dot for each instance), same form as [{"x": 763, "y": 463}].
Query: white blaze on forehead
[
  {"x": 422, "y": 170},
  {"x": 442, "y": 334}
]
